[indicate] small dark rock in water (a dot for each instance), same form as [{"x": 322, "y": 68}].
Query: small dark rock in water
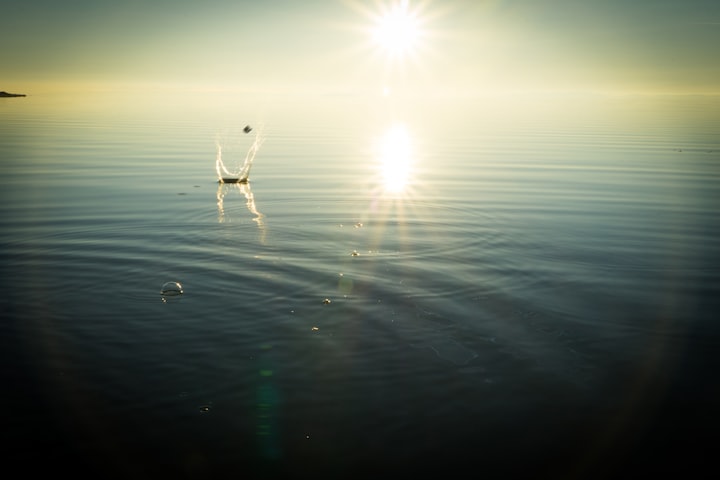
[
  {"x": 247, "y": 129},
  {"x": 233, "y": 180},
  {"x": 7, "y": 95}
]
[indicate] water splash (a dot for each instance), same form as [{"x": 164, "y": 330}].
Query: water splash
[{"x": 241, "y": 172}]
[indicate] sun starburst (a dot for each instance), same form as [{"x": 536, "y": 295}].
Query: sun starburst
[{"x": 397, "y": 29}]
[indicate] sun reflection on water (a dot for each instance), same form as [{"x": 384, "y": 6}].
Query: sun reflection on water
[{"x": 395, "y": 158}]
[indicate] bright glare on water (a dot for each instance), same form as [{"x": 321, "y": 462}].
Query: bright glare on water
[{"x": 395, "y": 158}]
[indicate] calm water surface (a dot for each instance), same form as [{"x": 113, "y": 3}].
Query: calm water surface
[{"x": 403, "y": 286}]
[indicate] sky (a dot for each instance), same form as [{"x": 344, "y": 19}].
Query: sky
[{"x": 460, "y": 46}]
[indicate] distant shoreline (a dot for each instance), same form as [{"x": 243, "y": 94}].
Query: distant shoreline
[{"x": 6, "y": 94}]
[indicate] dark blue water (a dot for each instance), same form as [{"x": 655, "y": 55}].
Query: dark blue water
[{"x": 517, "y": 285}]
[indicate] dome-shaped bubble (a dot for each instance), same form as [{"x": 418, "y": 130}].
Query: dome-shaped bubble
[{"x": 170, "y": 289}]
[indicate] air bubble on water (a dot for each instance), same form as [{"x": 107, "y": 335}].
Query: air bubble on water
[{"x": 170, "y": 289}]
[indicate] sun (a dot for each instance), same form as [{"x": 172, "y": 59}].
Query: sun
[{"x": 397, "y": 29}]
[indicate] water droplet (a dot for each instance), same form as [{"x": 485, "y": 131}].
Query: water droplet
[{"x": 170, "y": 289}]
